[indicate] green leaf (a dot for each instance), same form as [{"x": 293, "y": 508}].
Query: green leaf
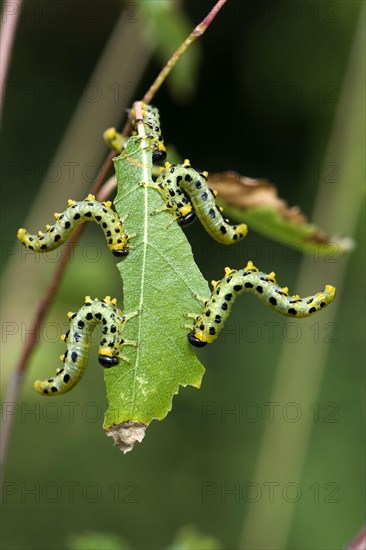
[
  {"x": 160, "y": 280},
  {"x": 256, "y": 202}
]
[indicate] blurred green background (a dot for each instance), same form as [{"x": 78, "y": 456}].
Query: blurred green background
[{"x": 270, "y": 81}]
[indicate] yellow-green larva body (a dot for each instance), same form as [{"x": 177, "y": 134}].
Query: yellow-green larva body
[
  {"x": 75, "y": 214},
  {"x": 186, "y": 192},
  {"x": 151, "y": 120},
  {"x": 78, "y": 339},
  {"x": 208, "y": 325}
]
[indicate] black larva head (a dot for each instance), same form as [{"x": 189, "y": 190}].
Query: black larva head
[
  {"x": 187, "y": 219},
  {"x": 120, "y": 253},
  {"x": 192, "y": 339},
  {"x": 158, "y": 156},
  {"x": 108, "y": 361}
]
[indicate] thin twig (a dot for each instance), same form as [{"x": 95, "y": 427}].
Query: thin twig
[
  {"x": 44, "y": 304},
  {"x": 9, "y": 20},
  {"x": 196, "y": 33}
]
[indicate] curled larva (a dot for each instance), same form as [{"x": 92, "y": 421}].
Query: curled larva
[
  {"x": 187, "y": 194},
  {"x": 151, "y": 120},
  {"x": 75, "y": 214},
  {"x": 208, "y": 325},
  {"x": 78, "y": 339}
]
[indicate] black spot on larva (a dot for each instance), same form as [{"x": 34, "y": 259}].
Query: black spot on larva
[
  {"x": 312, "y": 310},
  {"x": 187, "y": 219},
  {"x": 67, "y": 225},
  {"x": 30, "y": 247},
  {"x": 194, "y": 341},
  {"x": 110, "y": 241},
  {"x": 212, "y": 331},
  {"x": 229, "y": 278},
  {"x": 204, "y": 196},
  {"x": 291, "y": 311},
  {"x": 43, "y": 247},
  {"x": 171, "y": 192},
  {"x": 198, "y": 185},
  {"x": 74, "y": 357},
  {"x": 108, "y": 233},
  {"x": 98, "y": 316},
  {"x": 223, "y": 229},
  {"x": 158, "y": 156},
  {"x": 89, "y": 316},
  {"x": 228, "y": 297},
  {"x": 264, "y": 279},
  {"x": 57, "y": 238},
  {"x": 81, "y": 324},
  {"x": 224, "y": 306},
  {"x": 73, "y": 316},
  {"x": 212, "y": 213},
  {"x": 248, "y": 272},
  {"x": 235, "y": 236},
  {"x": 188, "y": 177},
  {"x": 120, "y": 253},
  {"x": 98, "y": 218},
  {"x": 259, "y": 289},
  {"x": 238, "y": 288},
  {"x": 88, "y": 214},
  {"x": 45, "y": 391},
  {"x": 113, "y": 328},
  {"x": 66, "y": 377},
  {"x": 77, "y": 337},
  {"x": 67, "y": 333},
  {"x": 87, "y": 303},
  {"x": 31, "y": 238},
  {"x": 202, "y": 327},
  {"x": 54, "y": 389},
  {"x": 104, "y": 225},
  {"x": 208, "y": 313},
  {"x": 77, "y": 216},
  {"x": 105, "y": 330},
  {"x": 217, "y": 319},
  {"x": 60, "y": 371},
  {"x": 322, "y": 304},
  {"x": 108, "y": 361},
  {"x": 309, "y": 301},
  {"x": 50, "y": 380},
  {"x": 273, "y": 301}
]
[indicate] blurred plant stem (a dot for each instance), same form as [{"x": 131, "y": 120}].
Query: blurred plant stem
[
  {"x": 9, "y": 20},
  {"x": 300, "y": 372}
]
